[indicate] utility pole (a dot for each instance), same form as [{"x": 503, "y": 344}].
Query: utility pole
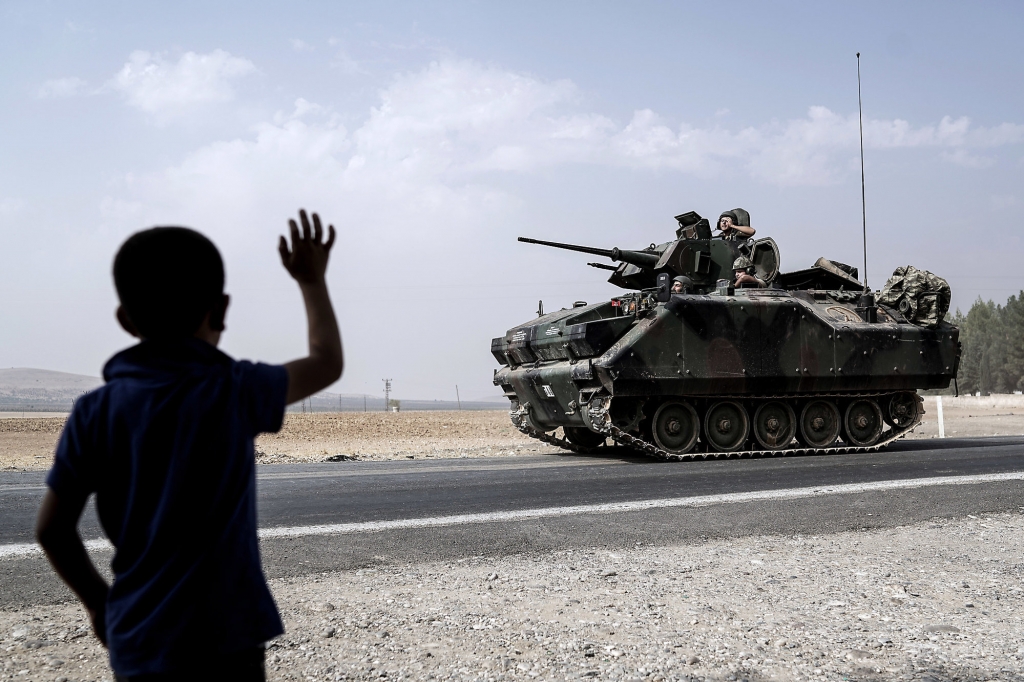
[
  {"x": 387, "y": 394},
  {"x": 364, "y": 402}
]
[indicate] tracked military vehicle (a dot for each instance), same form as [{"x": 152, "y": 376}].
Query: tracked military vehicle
[{"x": 809, "y": 362}]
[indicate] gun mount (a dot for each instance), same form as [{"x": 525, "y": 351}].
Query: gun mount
[{"x": 694, "y": 254}]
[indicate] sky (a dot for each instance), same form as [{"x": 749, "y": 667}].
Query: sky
[{"x": 433, "y": 134}]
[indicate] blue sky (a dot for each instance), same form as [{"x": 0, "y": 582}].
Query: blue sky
[{"x": 433, "y": 134}]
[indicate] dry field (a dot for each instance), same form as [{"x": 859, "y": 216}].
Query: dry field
[
  {"x": 383, "y": 435},
  {"x": 27, "y": 443}
]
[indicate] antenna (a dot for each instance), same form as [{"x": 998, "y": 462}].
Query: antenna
[
  {"x": 867, "y": 299},
  {"x": 863, "y": 201}
]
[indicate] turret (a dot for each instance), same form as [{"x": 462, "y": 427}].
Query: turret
[{"x": 693, "y": 254}]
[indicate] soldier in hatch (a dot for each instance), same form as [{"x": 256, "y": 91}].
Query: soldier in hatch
[
  {"x": 744, "y": 271},
  {"x": 681, "y": 284},
  {"x": 735, "y": 225}
]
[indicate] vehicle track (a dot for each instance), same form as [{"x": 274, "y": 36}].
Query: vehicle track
[{"x": 599, "y": 412}]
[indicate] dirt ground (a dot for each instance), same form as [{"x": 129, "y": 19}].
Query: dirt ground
[
  {"x": 939, "y": 601},
  {"x": 383, "y": 435},
  {"x": 28, "y": 443}
]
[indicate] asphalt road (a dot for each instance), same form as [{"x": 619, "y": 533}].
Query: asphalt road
[{"x": 351, "y": 492}]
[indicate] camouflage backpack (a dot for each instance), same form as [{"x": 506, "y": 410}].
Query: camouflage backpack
[{"x": 920, "y": 296}]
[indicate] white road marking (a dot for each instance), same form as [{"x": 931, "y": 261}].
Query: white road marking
[
  {"x": 31, "y": 549},
  {"x": 613, "y": 507},
  {"x": 26, "y": 549},
  {"x": 345, "y": 472}
]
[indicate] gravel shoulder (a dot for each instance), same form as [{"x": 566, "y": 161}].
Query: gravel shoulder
[
  {"x": 27, "y": 444},
  {"x": 935, "y": 601}
]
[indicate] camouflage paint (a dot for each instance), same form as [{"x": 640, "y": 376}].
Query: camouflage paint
[{"x": 756, "y": 342}]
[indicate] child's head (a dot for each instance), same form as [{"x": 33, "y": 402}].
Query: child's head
[{"x": 168, "y": 280}]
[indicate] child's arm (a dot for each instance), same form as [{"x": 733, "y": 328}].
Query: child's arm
[
  {"x": 306, "y": 262},
  {"x": 57, "y": 532}
]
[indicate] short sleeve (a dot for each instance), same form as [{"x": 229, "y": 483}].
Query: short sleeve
[
  {"x": 264, "y": 389},
  {"x": 74, "y": 462}
]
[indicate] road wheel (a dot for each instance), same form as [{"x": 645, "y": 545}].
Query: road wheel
[
  {"x": 675, "y": 427},
  {"x": 583, "y": 437},
  {"x": 726, "y": 426},
  {"x": 627, "y": 412},
  {"x": 902, "y": 410},
  {"x": 774, "y": 425},
  {"x": 862, "y": 425},
  {"x": 819, "y": 424}
]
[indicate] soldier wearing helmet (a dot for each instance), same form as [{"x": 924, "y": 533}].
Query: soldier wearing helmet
[
  {"x": 735, "y": 225},
  {"x": 744, "y": 271},
  {"x": 681, "y": 284}
]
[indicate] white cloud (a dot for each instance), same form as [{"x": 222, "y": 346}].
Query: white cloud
[
  {"x": 295, "y": 150},
  {"x": 10, "y": 206},
  {"x": 806, "y": 151},
  {"x": 346, "y": 64},
  {"x": 111, "y": 207},
  {"x": 962, "y": 157},
  {"x": 461, "y": 116},
  {"x": 449, "y": 124},
  {"x": 458, "y": 114},
  {"x": 300, "y": 45},
  {"x": 73, "y": 27},
  {"x": 1001, "y": 202},
  {"x": 419, "y": 190},
  {"x": 430, "y": 151},
  {"x": 59, "y": 88},
  {"x": 166, "y": 89}
]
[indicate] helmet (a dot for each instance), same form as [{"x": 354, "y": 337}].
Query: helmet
[
  {"x": 742, "y": 263},
  {"x": 685, "y": 283},
  {"x": 739, "y": 217}
]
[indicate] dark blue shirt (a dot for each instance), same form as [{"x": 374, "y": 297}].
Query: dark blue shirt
[{"x": 167, "y": 446}]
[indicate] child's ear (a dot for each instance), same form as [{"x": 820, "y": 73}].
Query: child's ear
[
  {"x": 126, "y": 322},
  {"x": 219, "y": 313}
]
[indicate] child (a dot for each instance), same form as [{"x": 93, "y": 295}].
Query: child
[{"x": 167, "y": 446}]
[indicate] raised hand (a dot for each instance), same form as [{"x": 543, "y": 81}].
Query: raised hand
[{"x": 306, "y": 261}]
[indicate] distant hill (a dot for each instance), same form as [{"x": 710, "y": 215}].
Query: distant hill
[
  {"x": 23, "y": 388},
  {"x": 23, "y": 378},
  {"x": 41, "y": 390}
]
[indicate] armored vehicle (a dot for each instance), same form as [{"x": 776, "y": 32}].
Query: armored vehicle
[{"x": 806, "y": 362}]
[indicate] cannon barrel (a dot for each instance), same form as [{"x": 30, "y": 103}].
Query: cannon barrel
[{"x": 642, "y": 259}]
